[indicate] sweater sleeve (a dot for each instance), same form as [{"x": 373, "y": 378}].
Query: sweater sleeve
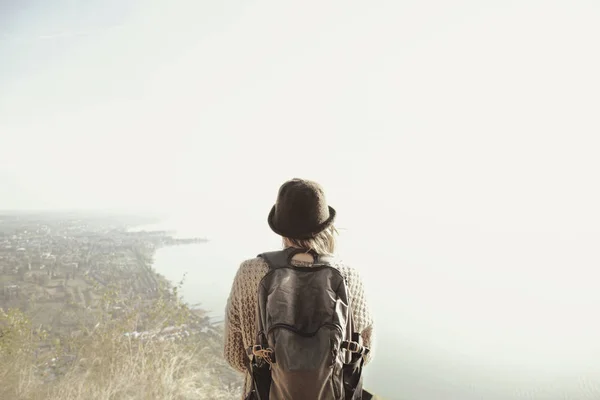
[
  {"x": 234, "y": 351},
  {"x": 361, "y": 310}
]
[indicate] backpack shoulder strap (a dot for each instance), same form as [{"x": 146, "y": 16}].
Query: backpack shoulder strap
[{"x": 275, "y": 259}]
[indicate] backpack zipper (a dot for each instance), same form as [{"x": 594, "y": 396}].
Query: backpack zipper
[{"x": 304, "y": 334}]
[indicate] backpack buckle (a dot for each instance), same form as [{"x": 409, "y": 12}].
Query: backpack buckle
[
  {"x": 352, "y": 346},
  {"x": 256, "y": 348},
  {"x": 265, "y": 354}
]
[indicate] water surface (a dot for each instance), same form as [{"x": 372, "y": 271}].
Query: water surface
[{"x": 468, "y": 315}]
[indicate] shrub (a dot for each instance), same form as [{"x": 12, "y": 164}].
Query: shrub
[{"x": 128, "y": 354}]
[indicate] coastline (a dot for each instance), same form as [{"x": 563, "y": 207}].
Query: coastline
[
  {"x": 80, "y": 289},
  {"x": 174, "y": 242},
  {"x": 69, "y": 273},
  {"x": 178, "y": 265}
]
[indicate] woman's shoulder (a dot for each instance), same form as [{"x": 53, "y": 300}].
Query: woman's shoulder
[
  {"x": 252, "y": 268},
  {"x": 256, "y": 262},
  {"x": 348, "y": 271}
]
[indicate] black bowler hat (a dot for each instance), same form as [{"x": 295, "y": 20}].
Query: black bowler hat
[{"x": 301, "y": 210}]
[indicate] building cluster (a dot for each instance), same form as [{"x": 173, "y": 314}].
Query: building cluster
[{"x": 55, "y": 265}]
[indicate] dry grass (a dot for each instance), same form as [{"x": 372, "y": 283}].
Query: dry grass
[{"x": 102, "y": 363}]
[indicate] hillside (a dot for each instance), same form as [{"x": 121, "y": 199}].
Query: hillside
[
  {"x": 84, "y": 316},
  {"x": 178, "y": 356}
]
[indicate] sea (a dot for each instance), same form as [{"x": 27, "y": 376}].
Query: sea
[{"x": 459, "y": 314}]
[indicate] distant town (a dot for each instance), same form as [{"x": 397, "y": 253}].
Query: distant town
[{"x": 57, "y": 267}]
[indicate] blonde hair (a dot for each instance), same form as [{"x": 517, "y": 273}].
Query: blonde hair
[{"x": 324, "y": 243}]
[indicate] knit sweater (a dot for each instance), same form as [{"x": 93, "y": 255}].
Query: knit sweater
[{"x": 240, "y": 312}]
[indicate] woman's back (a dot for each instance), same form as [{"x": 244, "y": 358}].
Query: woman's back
[{"x": 243, "y": 300}]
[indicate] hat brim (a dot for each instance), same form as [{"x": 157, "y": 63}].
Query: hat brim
[{"x": 300, "y": 235}]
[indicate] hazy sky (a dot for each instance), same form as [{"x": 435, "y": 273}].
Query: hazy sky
[
  {"x": 458, "y": 140},
  {"x": 480, "y": 112}
]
